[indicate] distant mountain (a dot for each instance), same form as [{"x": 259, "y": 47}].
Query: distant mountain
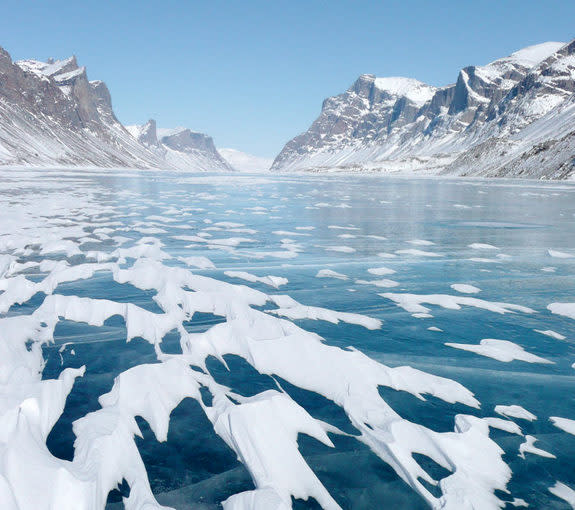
[
  {"x": 244, "y": 162},
  {"x": 51, "y": 114},
  {"x": 180, "y": 148},
  {"x": 512, "y": 117}
]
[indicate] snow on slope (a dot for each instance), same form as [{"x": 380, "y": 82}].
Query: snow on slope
[
  {"x": 244, "y": 162},
  {"x": 480, "y": 125},
  {"x": 414, "y": 90}
]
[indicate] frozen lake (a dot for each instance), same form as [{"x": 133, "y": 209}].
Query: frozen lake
[{"x": 470, "y": 283}]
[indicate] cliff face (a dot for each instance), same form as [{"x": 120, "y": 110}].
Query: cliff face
[
  {"x": 51, "y": 114},
  {"x": 402, "y": 124}
]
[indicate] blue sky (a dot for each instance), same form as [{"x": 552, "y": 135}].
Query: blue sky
[{"x": 253, "y": 74}]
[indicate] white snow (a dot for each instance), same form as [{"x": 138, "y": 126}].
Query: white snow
[
  {"x": 416, "y": 91},
  {"x": 515, "y": 411},
  {"x": 501, "y": 350},
  {"x": 384, "y": 282},
  {"x": 418, "y": 253},
  {"x": 564, "y": 309},
  {"x": 328, "y": 273},
  {"x": 413, "y": 303},
  {"x": 527, "y": 447},
  {"x": 197, "y": 261},
  {"x": 421, "y": 242},
  {"x": 563, "y": 492},
  {"x": 532, "y": 55},
  {"x": 272, "y": 281},
  {"x": 560, "y": 254},
  {"x": 465, "y": 288},
  {"x": 483, "y": 246},
  {"x": 380, "y": 271},
  {"x": 340, "y": 249},
  {"x": 551, "y": 333},
  {"x": 564, "y": 424}
]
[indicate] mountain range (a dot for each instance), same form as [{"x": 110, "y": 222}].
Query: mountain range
[
  {"x": 52, "y": 115},
  {"x": 514, "y": 117}
]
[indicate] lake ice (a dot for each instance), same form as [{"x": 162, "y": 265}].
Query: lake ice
[{"x": 192, "y": 341}]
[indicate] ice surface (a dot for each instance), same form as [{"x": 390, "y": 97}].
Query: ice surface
[{"x": 63, "y": 266}]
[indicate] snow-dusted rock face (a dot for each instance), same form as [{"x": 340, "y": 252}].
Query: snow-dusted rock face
[
  {"x": 180, "y": 148},
  {"x": 514, "y": 116},
  {"x": 51, "y": 114}
]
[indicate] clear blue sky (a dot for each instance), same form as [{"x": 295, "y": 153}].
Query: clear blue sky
[{"x": 253, "y": 74}]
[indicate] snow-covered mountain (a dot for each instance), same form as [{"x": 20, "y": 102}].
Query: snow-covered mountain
[
  {"x": 512, "y": 117},
  {"x": 244, "y": 162},
  {"x": 180, "y": 148},
  {"x": 51, "y": 114}
]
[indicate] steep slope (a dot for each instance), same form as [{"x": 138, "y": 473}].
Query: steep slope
[
  {"x": 180, "y": 148},
  {"x": 244, "y": 162},
  {"x": 52, "y": 115},
  {"x": 401, "y": 124}
]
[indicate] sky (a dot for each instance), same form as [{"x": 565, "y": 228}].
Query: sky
[{"x": 253, "y": 74}]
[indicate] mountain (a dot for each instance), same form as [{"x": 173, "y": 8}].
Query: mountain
[
  {"x": 180, "y": 148},
  {"x": 512, "y": 117},
  {"x": 52, "y": 115},
  {"x": 244, "y": 162}
]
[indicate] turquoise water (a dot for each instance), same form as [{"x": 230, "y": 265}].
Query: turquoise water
[{"x": 195, "y": 468}]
